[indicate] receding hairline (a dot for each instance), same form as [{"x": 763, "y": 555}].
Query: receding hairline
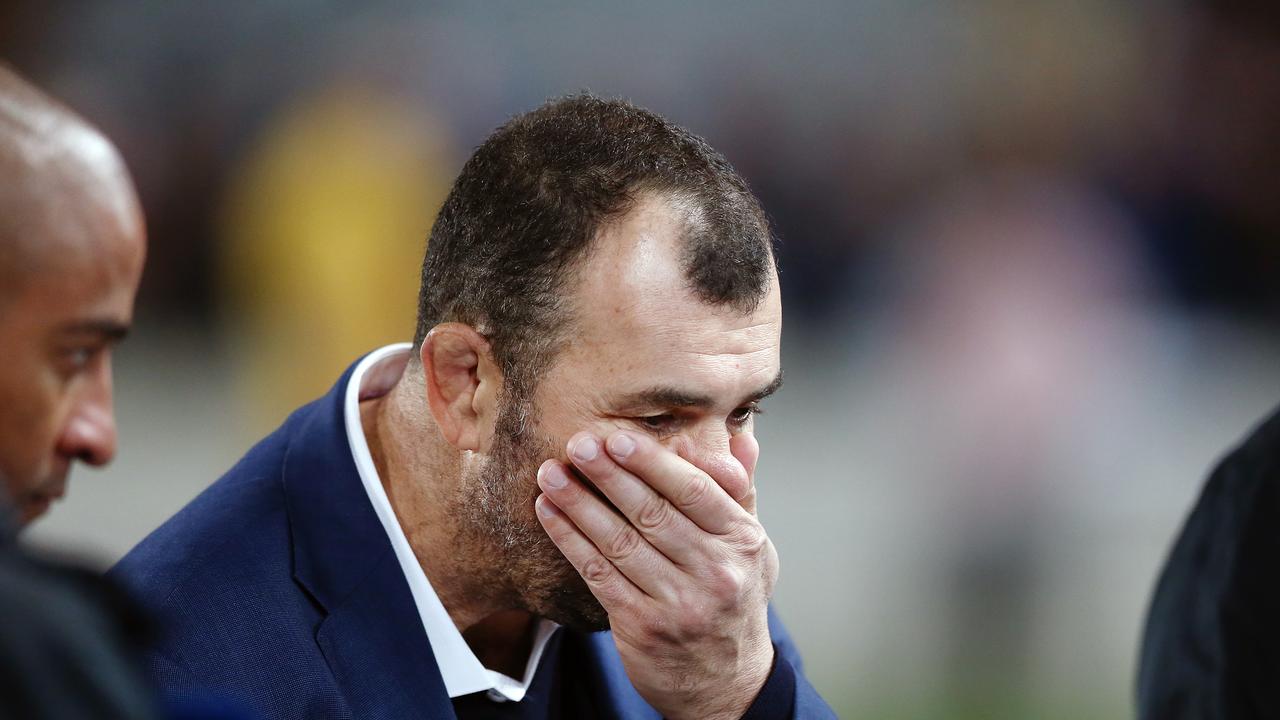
[
  {"x": 47, "y": 152},
  {"x": 30, "y": 118},
  {"x": 570, "y": 169},
  {"x": 688, "y": 213}
]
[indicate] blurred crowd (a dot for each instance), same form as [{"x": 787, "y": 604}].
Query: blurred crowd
[
  {"x": 1028, "y": 254},
  {"x": 847, "y": 117}
]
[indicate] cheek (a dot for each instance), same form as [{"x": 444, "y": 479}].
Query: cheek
[
  {"x": 568, "y": 400},
  {"x": 560, "y": 411},
  {"x": 563, "y": 420},
  {"x": 34, "y": 396},
  {"x": 30, "y": 415}
]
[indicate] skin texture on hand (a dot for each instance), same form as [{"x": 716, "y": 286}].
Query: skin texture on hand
[{"x": 680, "y": 562}]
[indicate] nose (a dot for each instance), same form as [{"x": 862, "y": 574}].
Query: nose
[
  {"x": 90, "y": 432},
  {"x": 712, "y": 451}
]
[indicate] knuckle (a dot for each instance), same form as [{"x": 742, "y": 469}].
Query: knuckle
[
  {"x": 597, "y": 571},
  {"x": 748, "y": 538},
  {"x": 658, "y": 630},
  {"x": 624, "y": 543},
  {"x": 727, "y": 583},
  {"x": 655, "y": 634},
  {"x": 654, "y": 514},
  {"x": 695, "y": 620},
  {"x": 693, "y": 491}
]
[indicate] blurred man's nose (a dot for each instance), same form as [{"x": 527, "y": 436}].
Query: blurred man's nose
[{"x": 90, "y": 432}]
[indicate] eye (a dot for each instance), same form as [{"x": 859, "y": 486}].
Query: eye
[
  {"x": 741, "y": 416},
  {"x": 657, "y": 423},
  {"x": 76, "y": 359}
]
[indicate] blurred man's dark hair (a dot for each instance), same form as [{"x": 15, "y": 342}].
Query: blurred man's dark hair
[{"x": 1211, "y": 644}]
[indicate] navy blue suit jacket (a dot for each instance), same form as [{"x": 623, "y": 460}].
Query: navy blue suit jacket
[{"x": 279, "y": 586}]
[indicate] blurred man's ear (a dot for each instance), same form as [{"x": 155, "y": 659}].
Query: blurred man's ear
[{"x": 462, "y": 383}]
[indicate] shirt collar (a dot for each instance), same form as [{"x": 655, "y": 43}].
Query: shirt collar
[{"x": 460, "y": 669}]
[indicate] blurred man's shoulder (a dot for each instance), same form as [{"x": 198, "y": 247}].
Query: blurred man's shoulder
[
  {"x": 1238, "y": 490},
  {"x": 1260, "y": 451},
  {"x": 1214, "y": 604}
]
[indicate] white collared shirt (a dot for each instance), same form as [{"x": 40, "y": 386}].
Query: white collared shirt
[{"x": 461, "y": 670}]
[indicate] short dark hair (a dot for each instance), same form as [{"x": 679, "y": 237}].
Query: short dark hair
[{"x": 529, "y": 201}]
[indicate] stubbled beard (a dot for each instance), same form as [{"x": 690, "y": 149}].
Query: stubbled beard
[{"x": 498, "y": 519}]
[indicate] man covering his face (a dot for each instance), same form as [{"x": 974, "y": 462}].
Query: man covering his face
[{"x": 565, "y": 448}]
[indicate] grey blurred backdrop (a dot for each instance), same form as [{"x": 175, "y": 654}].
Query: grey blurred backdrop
[{"x": 1028, "y": 256}]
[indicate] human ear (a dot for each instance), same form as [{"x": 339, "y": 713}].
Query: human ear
[{"x": 462, "y": 382}]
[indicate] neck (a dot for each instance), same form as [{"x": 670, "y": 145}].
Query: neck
[{"x": 420, "y": 473}]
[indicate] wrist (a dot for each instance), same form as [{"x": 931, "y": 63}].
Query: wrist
[{"x": 734, "y": 698}]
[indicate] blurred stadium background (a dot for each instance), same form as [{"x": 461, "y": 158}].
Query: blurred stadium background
[{"x": 1028, "y": 254}]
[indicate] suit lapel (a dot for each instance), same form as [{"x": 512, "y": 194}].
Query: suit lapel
[
  {"x": 372, "y": 637},
  {"x": 379, "y": 654}
]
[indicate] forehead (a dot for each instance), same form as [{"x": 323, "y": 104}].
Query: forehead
[
  {"x": 636, "y": 320},
  {"x": 77, "y": 271},
  {"x": 72, "y": 227},
  {"x": 59, "y": 171}
]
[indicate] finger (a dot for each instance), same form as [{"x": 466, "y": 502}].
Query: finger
[
  {"x": 688, "y": 488},
  {"x": 605, "y": 581},
  {"x": 746, "y": 449},
  {"x": 725, "y": 470},
  {"x": 615, "y": 537},
  {"x": 666, "y": 529}
]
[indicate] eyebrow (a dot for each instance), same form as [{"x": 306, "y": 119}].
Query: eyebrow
[
  {"x": 108, "y": 330},
  {"x": 671, "y": 397}
]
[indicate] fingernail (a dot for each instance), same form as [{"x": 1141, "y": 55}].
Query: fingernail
[
  {"x": 586, "y": 449},
  {"x": 544, "y": 507},
  {"x": 554, "y": 478},
  {"x": 621, "y": 445}
]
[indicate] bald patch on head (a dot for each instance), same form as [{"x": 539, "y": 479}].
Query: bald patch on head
[{"x": 61, "y": 178}]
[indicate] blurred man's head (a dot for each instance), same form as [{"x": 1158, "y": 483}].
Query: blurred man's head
[
  {"x": 71, "y": 253},
  {"x": 594, "y": 267}
]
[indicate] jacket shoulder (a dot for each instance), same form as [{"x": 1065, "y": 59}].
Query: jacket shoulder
[
  {"x": 217, "y": 579},
  {"x": 244, "y": 507}
]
